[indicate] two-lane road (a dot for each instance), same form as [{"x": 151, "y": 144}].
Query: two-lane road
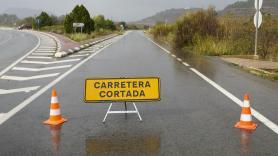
[{"x": 192, "y": 118}]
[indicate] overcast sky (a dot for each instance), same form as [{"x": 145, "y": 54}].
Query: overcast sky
[{"x": 128, "y": 10}]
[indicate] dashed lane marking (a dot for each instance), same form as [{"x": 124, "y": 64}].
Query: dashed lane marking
[
  {"x": 26, "y": 90},
  {"x": 268, "y": 123},
  {"x": 52, "y": 62},
  {"x": 21, "y": 78},
  {"x": 184, "y": 63},
  {"x": 40, "y": 69},
  {"x": 255, "y": 113},
  {"x": 174, "y": 56},
  {"x": 179, "y": 59}
]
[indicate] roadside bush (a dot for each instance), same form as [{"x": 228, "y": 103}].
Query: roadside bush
[
  {"x": 202, "y": 23},
  {"x": 163, "y": 31},
  {"x": 268, "y": 37}
]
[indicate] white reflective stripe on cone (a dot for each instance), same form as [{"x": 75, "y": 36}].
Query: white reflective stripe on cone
[
  {"x": 55, "y": 112},
  {"x": 246, "y": 103},
  {"x": 246, "y": 117},
  {"x": 54, "y": 99}
]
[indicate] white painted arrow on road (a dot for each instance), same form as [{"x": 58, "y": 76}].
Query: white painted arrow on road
[
  {"x": 27, "y": 89},
  {"x": 52, "y": 62},
  {"x": 40, "y": 69},
  {"x": 20, "y": 78}
]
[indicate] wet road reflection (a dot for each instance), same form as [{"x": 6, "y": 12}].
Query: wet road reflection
[
  {"x": 123, "y": 145},
  {"x": 245, "y": 142},
  {"x": 55, "y": 133}
]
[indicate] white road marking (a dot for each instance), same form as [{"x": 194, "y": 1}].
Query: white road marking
[
  {"x": 20, "y": 78},
  {"x": 47, "y": 47},
  {"x": 86, "y": 52},
  {"x": 39, "y": 57},
  {"x": 255, "y": 113},
  {"x": 40, "y": 69},
  {"x": 26, "y": 90},
  {"x": 45, "y": 51},
  {"x": 184, "y": 63},
  {"x": 78, "y": 55},
  {"x": 41, "y": 91},
  {"x": 52, "y": 62},
  {"x": 43, "y": 54},
  {"x": 20, "y": 59},
  {"x": 179, "y": 59},
  {"x": 2, "y": 115},
  {"x": 271, "y": 125},
  {"x": 174, "y": 56}
]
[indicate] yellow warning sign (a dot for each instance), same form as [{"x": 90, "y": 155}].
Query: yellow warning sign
[{"x": 122, "y": 89}]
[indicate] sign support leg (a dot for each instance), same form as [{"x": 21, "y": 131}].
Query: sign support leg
[
  {"x": 123, "y": 112},
  {"x": 107, "y": 113}
]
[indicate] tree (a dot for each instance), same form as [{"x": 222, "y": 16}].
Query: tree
[
  {"x": 68, "y": 24},
  {"x": 109, "y": 24},
  {"x": 45, "y": 19},
  {"x": 99, "y": 22},
  {"x": 79, "y": 15},
  {"x": 123, "y": 24},
  {"x": 28, "y": 21}
]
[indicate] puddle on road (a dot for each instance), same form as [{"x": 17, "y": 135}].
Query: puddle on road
[
  {"x": 201, "y": 63},
  {"x": 245, "y": 142},
  {"x": 55, "y": 137},
  {"x": 123, "y": 145}
]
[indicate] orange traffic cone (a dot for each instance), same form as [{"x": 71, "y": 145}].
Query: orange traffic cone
[
  {"x": 55, "y": 113},
  {"x": 246, "y": 117}
]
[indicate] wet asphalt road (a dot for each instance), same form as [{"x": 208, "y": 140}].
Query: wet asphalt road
[
  {"x": 192, "y": 118},
  {"x": 13, "y": 45}
]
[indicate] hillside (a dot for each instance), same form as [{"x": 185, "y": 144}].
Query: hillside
[
  {"x": 169, "y": 16},
  {"x": 246, "y": 8},
  {"x": 22, "y": 12}
]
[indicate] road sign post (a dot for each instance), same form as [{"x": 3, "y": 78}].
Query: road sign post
[
  {"x": 257, "y": 22},
  {"x": 78, "y": 25},
  {"x": 125, "y": 90}
]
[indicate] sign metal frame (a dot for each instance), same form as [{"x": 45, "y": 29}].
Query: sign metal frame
[{"x": 126, "y": 111}]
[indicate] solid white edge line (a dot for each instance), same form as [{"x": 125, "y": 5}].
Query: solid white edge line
[
  {"x": 255, "y": 113},
  {"x": 37, "y": 94},
  {"x": 20, "y": 59}
]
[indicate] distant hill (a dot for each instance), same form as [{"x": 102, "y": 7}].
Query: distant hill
[
  {"x": 169, "y": 16},
  {"x": 246, "y": 8},
  {"x": 22, "y": 12}
]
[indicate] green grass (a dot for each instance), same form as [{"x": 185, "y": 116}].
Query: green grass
[
  {"x": 58, "y": 29},
  {"x": 83, "y": 37}
]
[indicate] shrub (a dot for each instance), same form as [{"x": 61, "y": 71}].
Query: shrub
[{"x": 202, "y": 23}]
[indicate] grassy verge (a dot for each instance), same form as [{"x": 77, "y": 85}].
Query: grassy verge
[{"x": 78, "y": 37}]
